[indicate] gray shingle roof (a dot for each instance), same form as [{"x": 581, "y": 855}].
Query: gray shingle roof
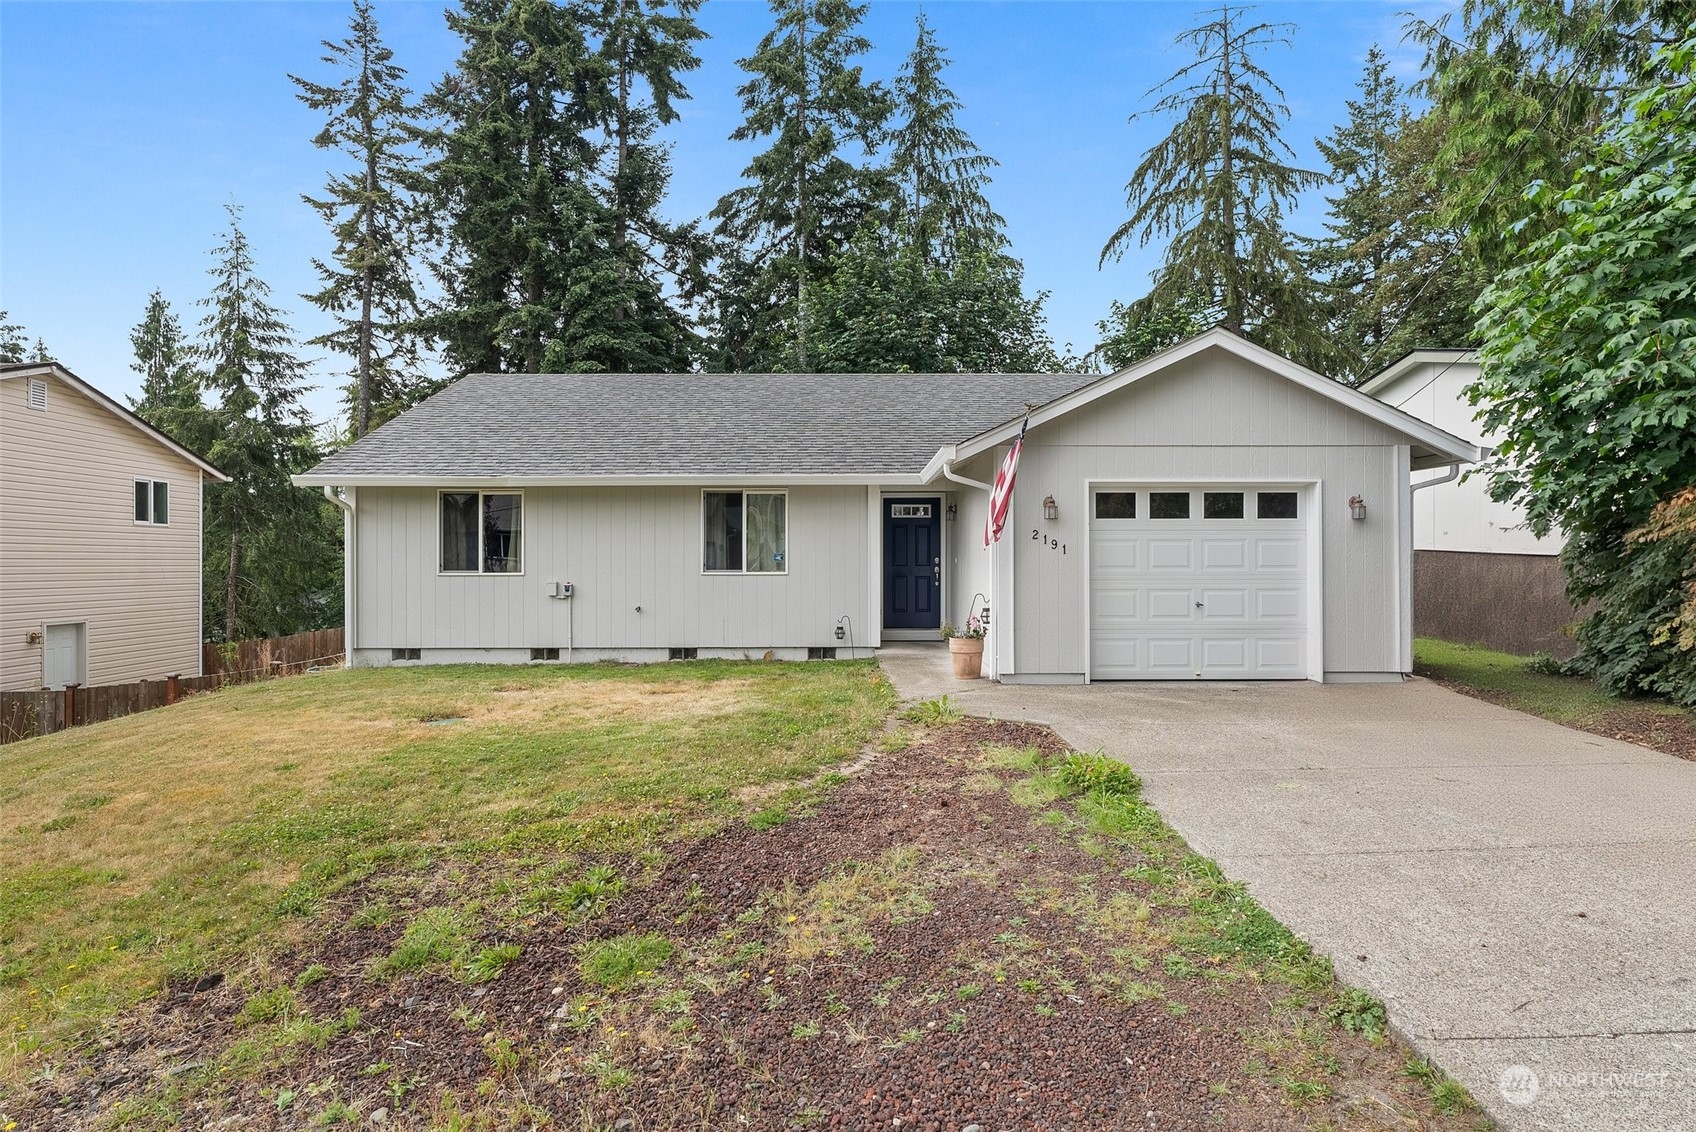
[{"x": 691, "y": 424}]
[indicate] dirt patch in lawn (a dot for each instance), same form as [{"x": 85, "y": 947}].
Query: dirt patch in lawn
[{"x": 951, "y": 937}]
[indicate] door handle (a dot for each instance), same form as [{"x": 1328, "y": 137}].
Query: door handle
[
  {"x": 1198, "y": 605},
  {"x": 936, "y": 570}
]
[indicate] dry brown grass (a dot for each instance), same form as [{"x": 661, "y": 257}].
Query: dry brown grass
[{"x": 167, "y": 841}]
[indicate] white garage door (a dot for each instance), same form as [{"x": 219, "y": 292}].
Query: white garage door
[{"x": 1205, "y": 582}]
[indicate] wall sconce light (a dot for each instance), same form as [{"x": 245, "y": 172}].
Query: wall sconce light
[
  {"x": 1357, "y": 507},
  {"x": 33, "y": 637},
  {"x": 952, "y": 511},
  {"x": 1050, "y": 509}
]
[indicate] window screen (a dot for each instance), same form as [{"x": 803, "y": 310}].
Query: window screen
[
  {"x": 161, "y": 502},
  {"x": 745, "y": 532},
  {"x": 459, "y": 532},
  {"x": 1115, "y": 505},
  {"x": 143, "y": 501},
  {"x": 503, "y": 534},
  {"x": 723, "y": 533}
]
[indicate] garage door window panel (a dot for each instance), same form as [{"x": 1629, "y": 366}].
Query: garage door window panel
[
  {"x": 1168, "y": 505},
  {"x": 1222, "y": 505},
  {"x": 1275, "y": 505}
]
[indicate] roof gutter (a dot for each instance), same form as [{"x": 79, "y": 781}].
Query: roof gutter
[{"x": 1448, "y": 476}]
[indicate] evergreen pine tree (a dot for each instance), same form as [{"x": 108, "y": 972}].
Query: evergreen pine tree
[
  {"x": 1394, "y": 276},
  {"x": 270, "y": 560},
  {"x": 805, "y": 197},
  {"x": 41, "y": 352},
  {"x": 939, "y": 172},
  {"x": 1218, "y": 186},
  {"x": 369, "y": 287},
  {"x": 170, "y": 383},
  {"x": 533, "y": 278}
]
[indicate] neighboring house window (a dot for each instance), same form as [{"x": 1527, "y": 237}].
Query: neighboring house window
[
  {"x": 153, "y": 502},
  {"x": 38, "y": 394},
  {"x": 745, "y": 532},
  {"x": 482, "y": 532}
]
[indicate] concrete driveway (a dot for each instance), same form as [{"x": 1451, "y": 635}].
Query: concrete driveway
[{"x": 1518, "y": 893}]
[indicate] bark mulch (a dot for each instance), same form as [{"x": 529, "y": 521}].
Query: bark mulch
[
  {"x": 919, "y": 950},
  {"x": 1671, "y": 733}
]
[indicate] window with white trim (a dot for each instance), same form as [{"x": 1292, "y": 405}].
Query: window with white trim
[
  {"x": 745, "y": 532},
  {"x": 482, "y": 532},
  {"x": 153, "y": 502}
]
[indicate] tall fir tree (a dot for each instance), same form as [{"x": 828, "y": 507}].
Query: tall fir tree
[
  {"x": 369, "y": 286},
  {"x": 806, "y": 196},
  {"x": 1218, "y": 187},
  {"x": 939, "y": 172},
  {"x": 270, "y": 552},
  {"x": 648, "y": 46},
  {"x": 170, "y": 384},
  {"x": 1393, "y": 276},
  {"x": 533, "y": 278}
]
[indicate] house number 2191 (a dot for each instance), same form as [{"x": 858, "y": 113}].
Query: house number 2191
[{"x": 1050, "y": 543}]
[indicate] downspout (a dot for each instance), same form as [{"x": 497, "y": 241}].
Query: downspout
[
  {"x": 348, "y": 588},
  {"x": 1447, "y": 477}
]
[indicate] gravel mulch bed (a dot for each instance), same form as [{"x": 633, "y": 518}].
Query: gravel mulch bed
[{"x": 919, "y": 947}]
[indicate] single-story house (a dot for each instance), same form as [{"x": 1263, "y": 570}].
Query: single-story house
[
  {"x": 100, "y": 547},
  {"x": 1480, "y": 575},
  {"x": 1215, "y": 511}
]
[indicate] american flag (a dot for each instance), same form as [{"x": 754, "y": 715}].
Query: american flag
[{"x": 1001, "y": 492}]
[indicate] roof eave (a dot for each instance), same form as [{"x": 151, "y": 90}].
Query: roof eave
[
  {"x": 317, "y": 478},
  {"x": 1399, "y": 368}
]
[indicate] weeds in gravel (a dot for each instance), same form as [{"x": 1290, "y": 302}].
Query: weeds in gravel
[
  {"x": 435, "y": 935},
  {"x": 620, "y": 963},
  {"x": 1448, "y": 1096},
  {"x": 939, "y": 712},
  {"x": 1358, "y": 1012}
]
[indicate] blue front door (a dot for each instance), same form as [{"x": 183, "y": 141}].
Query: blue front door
[{"x": 912, "y": 563}]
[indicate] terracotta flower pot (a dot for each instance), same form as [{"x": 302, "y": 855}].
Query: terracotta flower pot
[{"x": 967, "y": 654}]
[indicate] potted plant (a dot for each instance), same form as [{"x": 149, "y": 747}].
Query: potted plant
[{"x": 965, "y": 647}]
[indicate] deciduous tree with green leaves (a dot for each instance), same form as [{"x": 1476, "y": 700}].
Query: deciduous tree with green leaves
[
  {"x": 1132, "y": 332},
  {"x": 1518, "y": 89},
  {"x": 271, "y": 556},
  {"x": 1589, "y": 377},
  {"x": 369, "y": 285},
  {"x": 886, "y": 308},
  {"x": 14, "y": 343},
  {"x": 1218, "y": 187},
  {"x": 806, "y": 196}
]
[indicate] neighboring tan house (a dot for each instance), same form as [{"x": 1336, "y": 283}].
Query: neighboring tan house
[
  {"x": 1480, "y": 575},
  {"x": 1213, "y": 512},
  {"x": 100, "y": 545}
]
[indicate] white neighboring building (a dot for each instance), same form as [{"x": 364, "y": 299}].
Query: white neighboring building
[
  {"x": 1479, "y": 575},
  {"x": 1431, "y": 384}
]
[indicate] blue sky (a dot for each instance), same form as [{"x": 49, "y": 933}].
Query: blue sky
[{"x": 126, "y": 127}]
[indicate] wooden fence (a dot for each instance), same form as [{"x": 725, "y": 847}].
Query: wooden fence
[{"x": 24, "y": 715}]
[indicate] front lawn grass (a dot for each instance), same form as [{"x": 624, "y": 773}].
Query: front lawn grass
[
  {"x": 1515, "y": 682},
  {"x": 163, "y": 847}
]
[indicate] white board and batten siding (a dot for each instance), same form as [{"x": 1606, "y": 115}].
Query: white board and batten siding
[
  {"x": 1458, "y": 515},
  {"x": 1214, "y": 421},
  {"x": 634, "y": 556},
  {"x": 72, "y": 554}
]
